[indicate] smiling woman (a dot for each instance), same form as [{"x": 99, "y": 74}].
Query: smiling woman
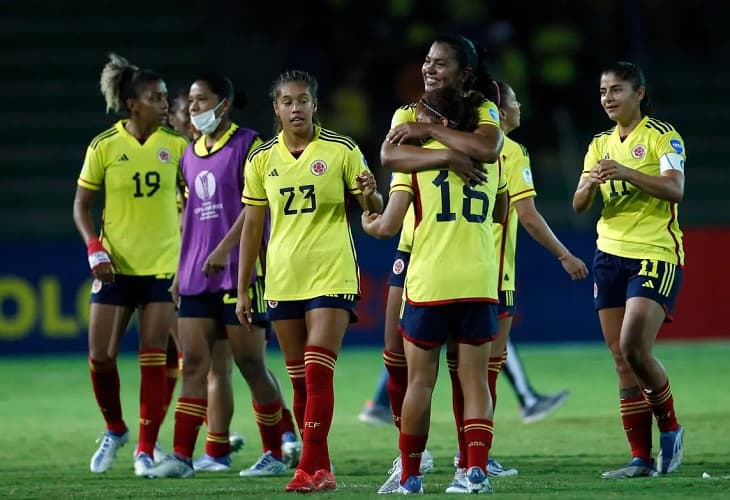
[{"x": 135, "y": 162}]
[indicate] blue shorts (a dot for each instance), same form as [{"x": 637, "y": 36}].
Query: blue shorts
[
  {"x": 132, "y": 291},
  {"x": 466, "y": 322},
  {"x": 619, "y": 278},
  {"x": 295, "y": 309},
  {"x": 221, "y": 306},
  {"x": 398, "y": 271},
  {"x": 506, "y": 304}
]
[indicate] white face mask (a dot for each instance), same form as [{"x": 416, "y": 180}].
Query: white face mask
[{"x": 206, "y": 122}]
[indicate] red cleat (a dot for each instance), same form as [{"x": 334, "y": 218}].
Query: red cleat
[
  {"x": 300, "y": 483},
  {"x": 324, "y": 480}
]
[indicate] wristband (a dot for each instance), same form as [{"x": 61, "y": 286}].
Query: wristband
[
  {"x": 564, "y": 256},
  {"x": 97, "y": 254}
]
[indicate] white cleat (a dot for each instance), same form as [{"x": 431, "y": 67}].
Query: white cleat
[
  {"x": 671, "y": 449},
  {"x": 291, "y": 449},
  {"x": 158, "y": 453},
  {"x": 104, "y": 456},
  {"x": 392, "y": 484},
  {"x": 495, "y": 469},
  {"x": 459, "y": 484},
  {"x": 206, "y": 463},
  {"x": 142, "y": 464},
  {"x": 477, "y": 481},
  {"x": 266, "y": 465},
  {"x": 171, "y": 466},
  {"x": 237, "y": 442}
]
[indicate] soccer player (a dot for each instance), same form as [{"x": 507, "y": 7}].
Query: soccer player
[
  {"x": 207, "y": 278},
  {"x": 312, "y": 278},
  {"x": 450, "y": 292},
  {"x": 452, "y": 61},
  {"x": 135, "y": 255},
  {"x": 638, "y": 168}
]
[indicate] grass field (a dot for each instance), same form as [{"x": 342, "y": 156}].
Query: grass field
[{"x": 49, "y": 422}]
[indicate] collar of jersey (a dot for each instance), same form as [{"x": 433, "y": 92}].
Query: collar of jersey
[
  {"x": 641, "y": 123},
  {"x": 120, "y": 125},
  {"x": 282, "y": 142},
  {"x": 201, "y": 150}
]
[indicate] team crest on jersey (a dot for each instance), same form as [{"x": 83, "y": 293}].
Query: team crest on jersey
[
  {"x": 96, "y": 286},
  {"x": 205, "y": 185},
  {"x": 398, "y": 266},
  {"x": 639, "y": 151},
  {"x": 164, "y": 155},
  {"x": 318, "y": 167},
  {"x": 273, "y": 303}
]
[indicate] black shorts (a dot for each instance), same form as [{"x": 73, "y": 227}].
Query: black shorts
[
  {"x": 617, "y": 279},
  {"x": 221, "y": 306},
  {"x": 466, "y": 322},
  {"x": 295, "y": 309},
  {"x": 506, "y": 304},
  {"x": 132, "y": 291},
  {"x": 398, "y": 271}
]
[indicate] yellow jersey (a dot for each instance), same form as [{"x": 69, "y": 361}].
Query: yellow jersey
[
  {"x": 516, "y": 167},
  {"x": 311, "y": 251},
  {"x": 488, "y": 115},
  {"x": 633, "y": 223},
  {"x": 453, "y": 258},
  {"x": 140, "y": 223}
]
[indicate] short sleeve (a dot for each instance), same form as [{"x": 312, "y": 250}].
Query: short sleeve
[
  {"x": 591, "y": 158},
  {"x": 519, "y": 175},
  {"x": 92, "y": 172},
  {"x": 254, "y": 144},
  {"x": 670, "y": 142},
  {"x": 403, "y": 115},
  {"x": 401, "y": 182},
  {"x": 488, "y": 114},
  {"x": 355, "y": 164},
  {"x": 254, "y": 192}
]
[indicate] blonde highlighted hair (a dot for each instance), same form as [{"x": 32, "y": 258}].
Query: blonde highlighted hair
[{"x": 120, "y": 80}]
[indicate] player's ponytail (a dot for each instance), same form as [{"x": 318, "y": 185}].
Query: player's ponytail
[{"x": 120, "y": 80}]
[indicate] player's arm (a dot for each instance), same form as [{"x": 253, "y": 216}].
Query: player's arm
[
  {"x": 217, "y": 261},
  {"x": 389, "y": 223},
  {"x": 410, "y": 159},
  {"x": 668, "y": 185},
  {"x": 537, "y": 227},
  {"x": 99, "y": 259},
  {"x": 252, "y": 233},
  {"x": 585, "y": 193},
  {"x": 483, "y": 144},
  {"x": 501, "y": 207},
  {"x": 370, "y": 199}
]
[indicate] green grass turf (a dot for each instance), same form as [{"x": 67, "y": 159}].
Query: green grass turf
[{"x": 49, "y": 421}]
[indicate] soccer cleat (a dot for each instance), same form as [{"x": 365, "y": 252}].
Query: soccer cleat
[
  {"x": 495, "y": 469},
  {"x": 375, "y": 414},
  {"x": 477, "y": 481},
  {"x": 544, "y": 406},
  {"x": 158, "y": 453},
  {"x": 412, "y": 486},
  {"x": 324, "y": 480},
  {"x": 393, "y": 482},
  {"x": 266, "y": 465},
  {"x": 171, "y": 466},
  {"x": 300, "y": 483},
  {"x": 103, "y": 458},
  {"x": 671, "y": 449},
  {"x": 291, "y": 449},
  {"x": 237, "y": 442},
  {"x": 638, "y": 467},
  {"x": 206, "y": 463},
  {"x": 459, "y": 483},
  {"x": 142, "y": 464}
]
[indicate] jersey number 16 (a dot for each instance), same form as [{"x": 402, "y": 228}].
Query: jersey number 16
[{"x": 471, "y": 197}]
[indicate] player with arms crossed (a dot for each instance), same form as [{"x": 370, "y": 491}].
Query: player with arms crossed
[{"x": 638, "y": 167}]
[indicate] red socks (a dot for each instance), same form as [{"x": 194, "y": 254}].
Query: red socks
[
  {"x": 105, "y": 381},
  {"x": 189, "y": 416},
  {"x": 397, "y": 382},
  {"x": 152, "y": 397}
]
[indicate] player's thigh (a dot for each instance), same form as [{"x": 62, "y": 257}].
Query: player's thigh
[
  {"x": 474, "y": 362},
  {"x": 197, "y": 336},
  {"x": 499, "y": 345},
  {"x": 326, "y": 327},
  {"x": 107, "y": 323},
  {"x": 423, "y": 365},
  {"x": 221, "y": 360},
  {"x": 611, "y": 319},
  {"x": 642, "y": 320},
  {"x": 155, "y": 322},
  {"x": 292, "y": 336},
  {"x": 247, "y": 346}
]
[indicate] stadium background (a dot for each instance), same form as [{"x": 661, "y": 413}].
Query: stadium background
[{"x": 366, "y": 56}]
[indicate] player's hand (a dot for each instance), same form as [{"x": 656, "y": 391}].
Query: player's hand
[
  {"x": 575, "y": 267},
  {"x": 175, "y": 290},
  {"x": 595, "y": 175},
  {"x": 470, "y": 171},
  {"x": 408, "y": 132},
  {"x": 100, "y": 261},
  {"x": 369, "y": 222},
  {"x": 609, "y": 170},
  {"x": 216, "y": 262},
  {"x": 243, "y": 310},
  {"x": 366, "y": 183}
]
